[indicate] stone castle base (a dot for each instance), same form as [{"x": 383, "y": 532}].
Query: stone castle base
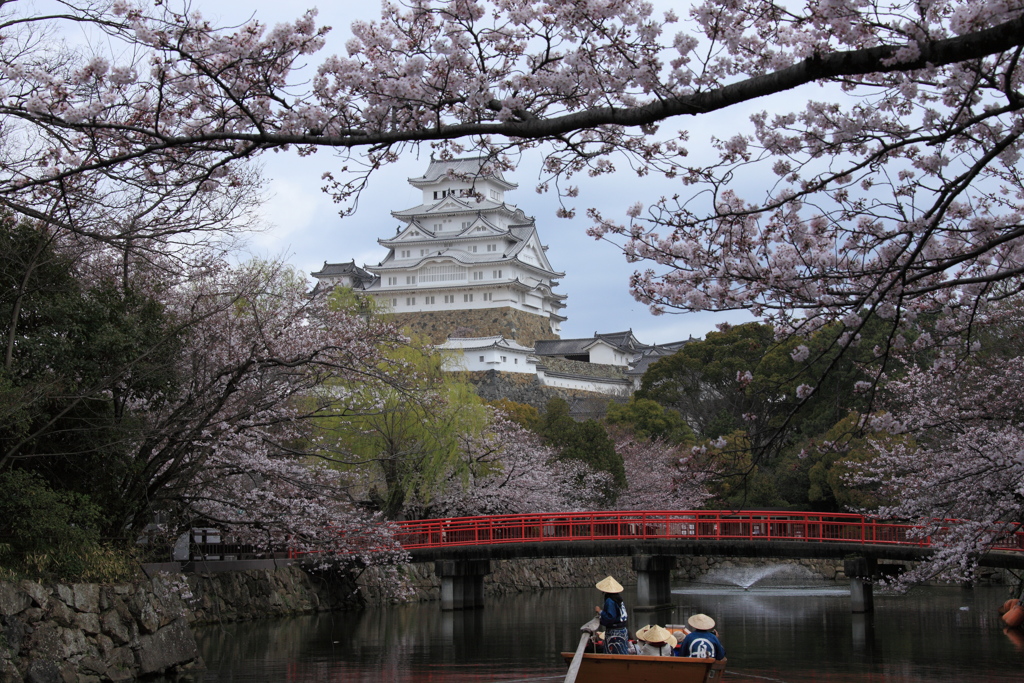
[{"x": 520, "y": 326}]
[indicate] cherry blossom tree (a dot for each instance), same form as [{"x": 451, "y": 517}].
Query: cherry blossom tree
[
  {"x": 508, "y": 470},
  {"x": 206, "y": 417},
  {"x": 660, "y": 476},
  {"x": 960, "y": 475},
  {"x": 233, "y": 446}
]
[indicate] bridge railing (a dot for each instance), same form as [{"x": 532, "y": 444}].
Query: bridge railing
[{"x": 673, "y": 524}]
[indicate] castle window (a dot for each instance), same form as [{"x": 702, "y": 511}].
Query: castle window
[
  {"x": 465, "y": 224},
  {"x": 410, "y": 279},
  {"x": 503, "y": 359},
  {"x": 428, "y": 300},
  {"x": 449, "y": 298},
  {"x": 442, "y": 273},
  {"x": 410, "y": 301},
  {"x": 467, "y": 297},
  {"x": 406, "y": 253},
  {"x": 394, "y": 302},
  {"x": 495, "y": 274},
  {"x": 392, "y": 280},
  {"x": 473, "y": 248},
  {"x": 478, "y": 276},
  {"x": 422, "y": 252},
  {"x": 487, "y": 296},
  {"x": 515, "y": 361},
  {"x": 481, "y": 359},
  {"x": 492, "y": 247}
]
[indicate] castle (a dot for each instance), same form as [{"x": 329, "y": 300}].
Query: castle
[
  {"x": 468, "y": 270},
  {"x": 462, "y": 261}
]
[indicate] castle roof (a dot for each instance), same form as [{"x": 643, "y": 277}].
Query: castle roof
[
  {"x": 468, "y": 168},
  {"x": 654, "y": 354},
  {"x": 623, "y": 341},
  {"x": 456, "y": 205},
  {"x": 478, "y": 343},
  {"x": 360, "y": 277}
]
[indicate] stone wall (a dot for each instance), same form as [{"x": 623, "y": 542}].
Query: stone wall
[
  {"x": 420, "y": 584},
  {"x": 691, "y": 568},
  {"x": 492, "y": 385},
  {"x": 87, "y": 633},
  {"x": 261, "y": 593},
  {"x": 525, "y": 328},
  {"x": 517, "y": 576}
]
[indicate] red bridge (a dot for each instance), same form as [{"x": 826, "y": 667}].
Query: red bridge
[
  {"x": 463, "y": 547},
  {"x": 671, "y": 525}
]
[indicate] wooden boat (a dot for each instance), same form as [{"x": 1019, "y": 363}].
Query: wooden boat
[{"x": 643, "y": 669}]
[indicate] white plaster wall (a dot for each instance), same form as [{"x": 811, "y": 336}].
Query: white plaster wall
[
  {"x": 469, "y": 359},
  {"x": 616, "y": 389}
]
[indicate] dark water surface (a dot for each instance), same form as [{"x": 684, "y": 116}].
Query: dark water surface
[{"x": 791, "y": 635}]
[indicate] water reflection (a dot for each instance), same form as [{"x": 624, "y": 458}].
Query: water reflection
[{"x": 940, "y": 635}]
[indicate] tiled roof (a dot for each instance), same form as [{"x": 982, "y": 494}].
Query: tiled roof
[
  {"x": 340, "y": 269},
  {"x": 654, "y": 354},
  {"x": 463, "y": 206},
  {"x": 483, "y": 343},
  {"x": 562, "y": 347},
  {"x": 469, "y": 166}
]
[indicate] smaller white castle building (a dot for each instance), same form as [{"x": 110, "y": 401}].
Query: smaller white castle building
[
  {"x": 487, "y": 353},
  {"x": 611, "y": 364}
]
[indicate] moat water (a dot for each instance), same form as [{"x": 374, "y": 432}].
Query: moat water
[{"x": 781, "y": 633}]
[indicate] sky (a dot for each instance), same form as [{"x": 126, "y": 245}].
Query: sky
[{"x": 305, "y": 229}]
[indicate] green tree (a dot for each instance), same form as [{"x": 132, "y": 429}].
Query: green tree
[
  {"x": 650, "y": 420},
  {"x": 520, "y": 413},
  {"x": 79, "y": 354},
  {"x": 818, "y": 473},
  {"x": 400, "y": 441},
  {"x": 737, "y": 480},
  {"x": 588, "y": 442},
  {"x": 701, "y": 380}
]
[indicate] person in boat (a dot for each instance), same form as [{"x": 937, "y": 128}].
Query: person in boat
[
  {"x": 703, "y": 639},
  {"x": 613, "y": 616},
  {"x": 677, "y": 651},
  {"x": 658, "y": 642}
]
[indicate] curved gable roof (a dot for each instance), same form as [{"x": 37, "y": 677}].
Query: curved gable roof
[{"x": 466, "y": 168}]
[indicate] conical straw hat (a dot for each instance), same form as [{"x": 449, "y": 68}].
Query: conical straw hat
[
  {"x": 701, "y": 622},
  {"x": 640, "y": 632},
  {"x": 609, "y": 585},
  {"x": 656, "y": 634}
]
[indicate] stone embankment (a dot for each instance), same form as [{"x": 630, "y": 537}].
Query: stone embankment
[
  {"x": 517, "y": 576},
  {"x": 89, "y": 633}
]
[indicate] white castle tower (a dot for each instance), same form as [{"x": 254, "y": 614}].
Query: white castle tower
[{"x": 463, "y": 263}]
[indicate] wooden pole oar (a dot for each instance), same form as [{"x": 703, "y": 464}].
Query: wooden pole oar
[{"x": 588, "y": 628}]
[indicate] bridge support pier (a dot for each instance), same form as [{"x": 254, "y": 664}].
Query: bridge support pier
[
  {"x": 462, "y": 583},
  {"x": 860, "y": 570},
  {"x": 653, "y": 581}
]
